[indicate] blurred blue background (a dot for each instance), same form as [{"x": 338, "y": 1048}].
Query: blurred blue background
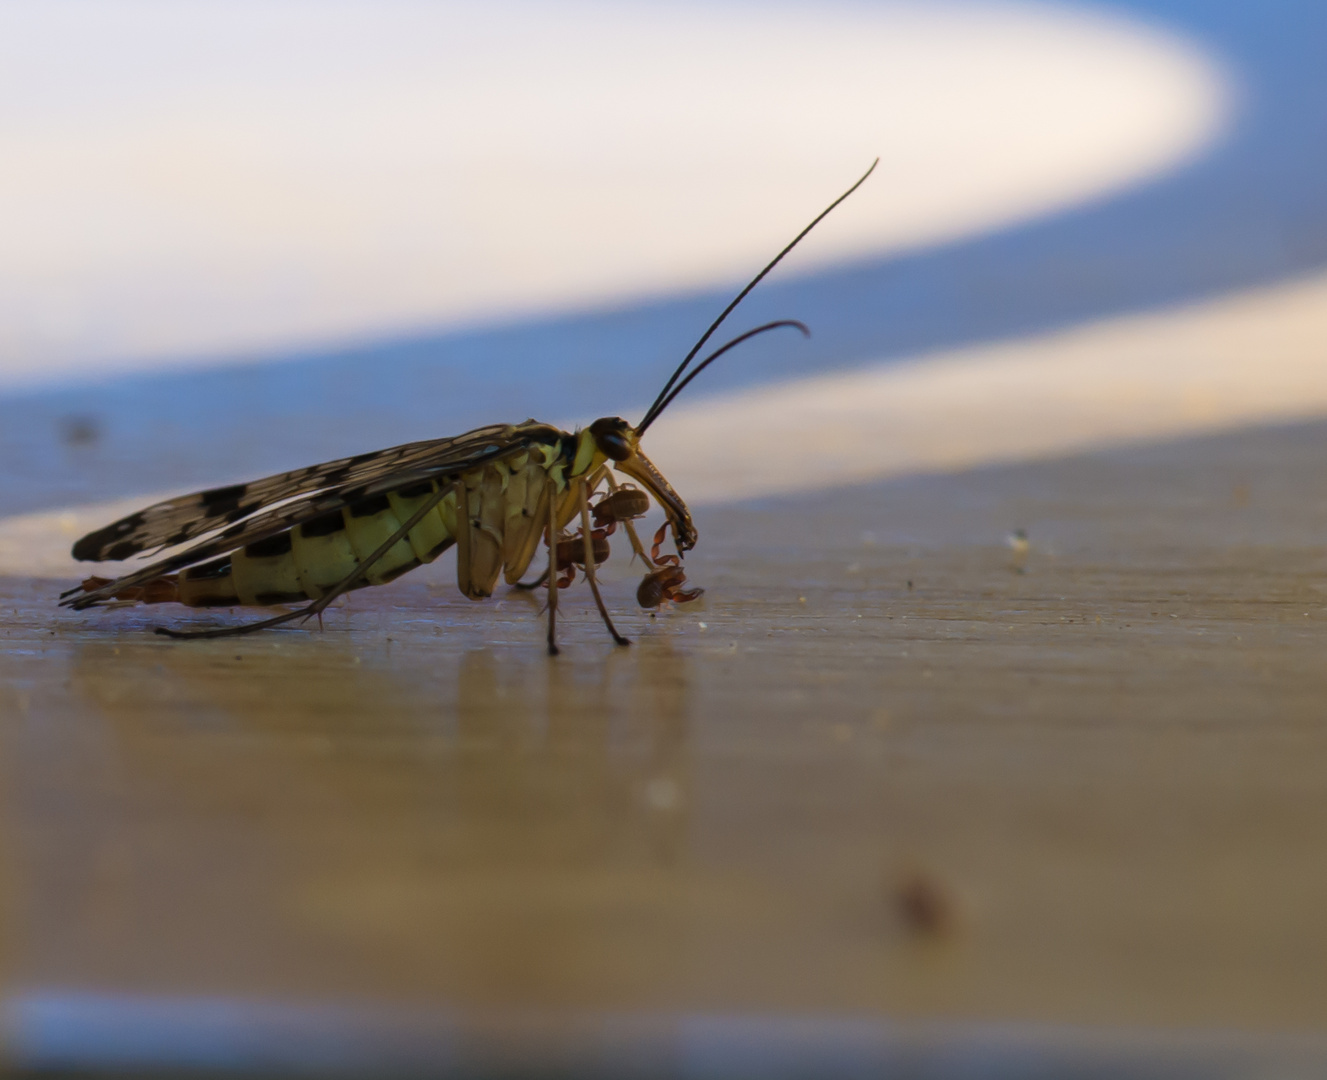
[{"x": 1250, "y": 208}]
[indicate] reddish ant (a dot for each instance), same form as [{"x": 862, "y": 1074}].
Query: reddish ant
[
  {"x": 571, "y": 554},
  {"x": 625, "y": 504},
  {"x": 666, "y": 580},
  {"x": 622, "y": 505}
]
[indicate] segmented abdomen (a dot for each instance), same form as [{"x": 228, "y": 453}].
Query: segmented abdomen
[{"x": 308, "y": 560}]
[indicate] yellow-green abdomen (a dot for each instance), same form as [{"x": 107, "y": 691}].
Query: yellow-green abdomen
[{"x": 307, "y": 561}]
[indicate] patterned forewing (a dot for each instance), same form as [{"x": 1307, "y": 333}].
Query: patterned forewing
[
  {"x": 176, "y": 521},
  {"x": 334, "y": 485}
]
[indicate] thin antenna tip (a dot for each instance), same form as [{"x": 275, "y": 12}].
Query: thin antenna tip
[{"x": 671, "y": 387}]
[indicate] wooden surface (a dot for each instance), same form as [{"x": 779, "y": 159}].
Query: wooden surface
[
  {"x": 895, "y": 798},
  {"x": 877, "y": 773}
]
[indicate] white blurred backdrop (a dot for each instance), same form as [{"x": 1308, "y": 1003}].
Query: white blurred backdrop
[{"x": 196, "y": 182}]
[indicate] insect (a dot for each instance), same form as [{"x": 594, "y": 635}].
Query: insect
[{"x": 494, "y": 493}]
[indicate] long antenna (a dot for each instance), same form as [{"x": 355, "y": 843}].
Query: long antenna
[
  {"x": 654, "y": 409},
  {"x": 713, "y": 357}
]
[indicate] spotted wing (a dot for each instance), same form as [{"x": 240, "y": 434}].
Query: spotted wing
[
  {"x": 175, "y": 521},
  {"x": 290, "y": 499}
]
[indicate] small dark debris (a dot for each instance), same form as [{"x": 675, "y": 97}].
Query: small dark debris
[
  {"x": 80, "y": 430},
  {"x": 925, "y": 906}
]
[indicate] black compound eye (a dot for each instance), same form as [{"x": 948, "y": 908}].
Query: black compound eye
[
  {"x": 615, "y": 447},
  {"x": 611, "y": 438}
]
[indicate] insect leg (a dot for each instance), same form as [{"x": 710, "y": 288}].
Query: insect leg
[
  {"x": 320, "y": 605},
  {"x": 538, "y": 582},
  {"x": 589, "y": 566},
  {"x": 552, "y": 567},
  {"x": 234, "y": 631}
]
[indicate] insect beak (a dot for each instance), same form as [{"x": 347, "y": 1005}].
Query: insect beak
[{"x": 639, "y": 467}]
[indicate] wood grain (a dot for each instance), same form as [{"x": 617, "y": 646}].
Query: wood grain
[{"x": 1110, "y": 769}]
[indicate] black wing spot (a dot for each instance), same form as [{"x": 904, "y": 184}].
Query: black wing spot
[
  {"x": 222, "y": 500},
  {"x": 374, "y": 504},
  {"x": 243, "y": 510},
  {"x": 269, "y": 548},
  {"x": 88, "y": 549},
  {"x": 122, "y": 550},
  {"x": 324, "y": 525},
  {"x": 222, "y": 494},
  {"x": 334, "y": 477}
]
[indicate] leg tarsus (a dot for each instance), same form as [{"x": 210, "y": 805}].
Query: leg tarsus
[{"x": 234, "y": 631}]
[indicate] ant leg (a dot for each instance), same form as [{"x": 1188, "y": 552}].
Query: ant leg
[{"x": 663, "y": 560}]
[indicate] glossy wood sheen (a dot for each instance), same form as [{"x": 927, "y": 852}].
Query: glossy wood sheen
[{"x": 1109, "y": 770}]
